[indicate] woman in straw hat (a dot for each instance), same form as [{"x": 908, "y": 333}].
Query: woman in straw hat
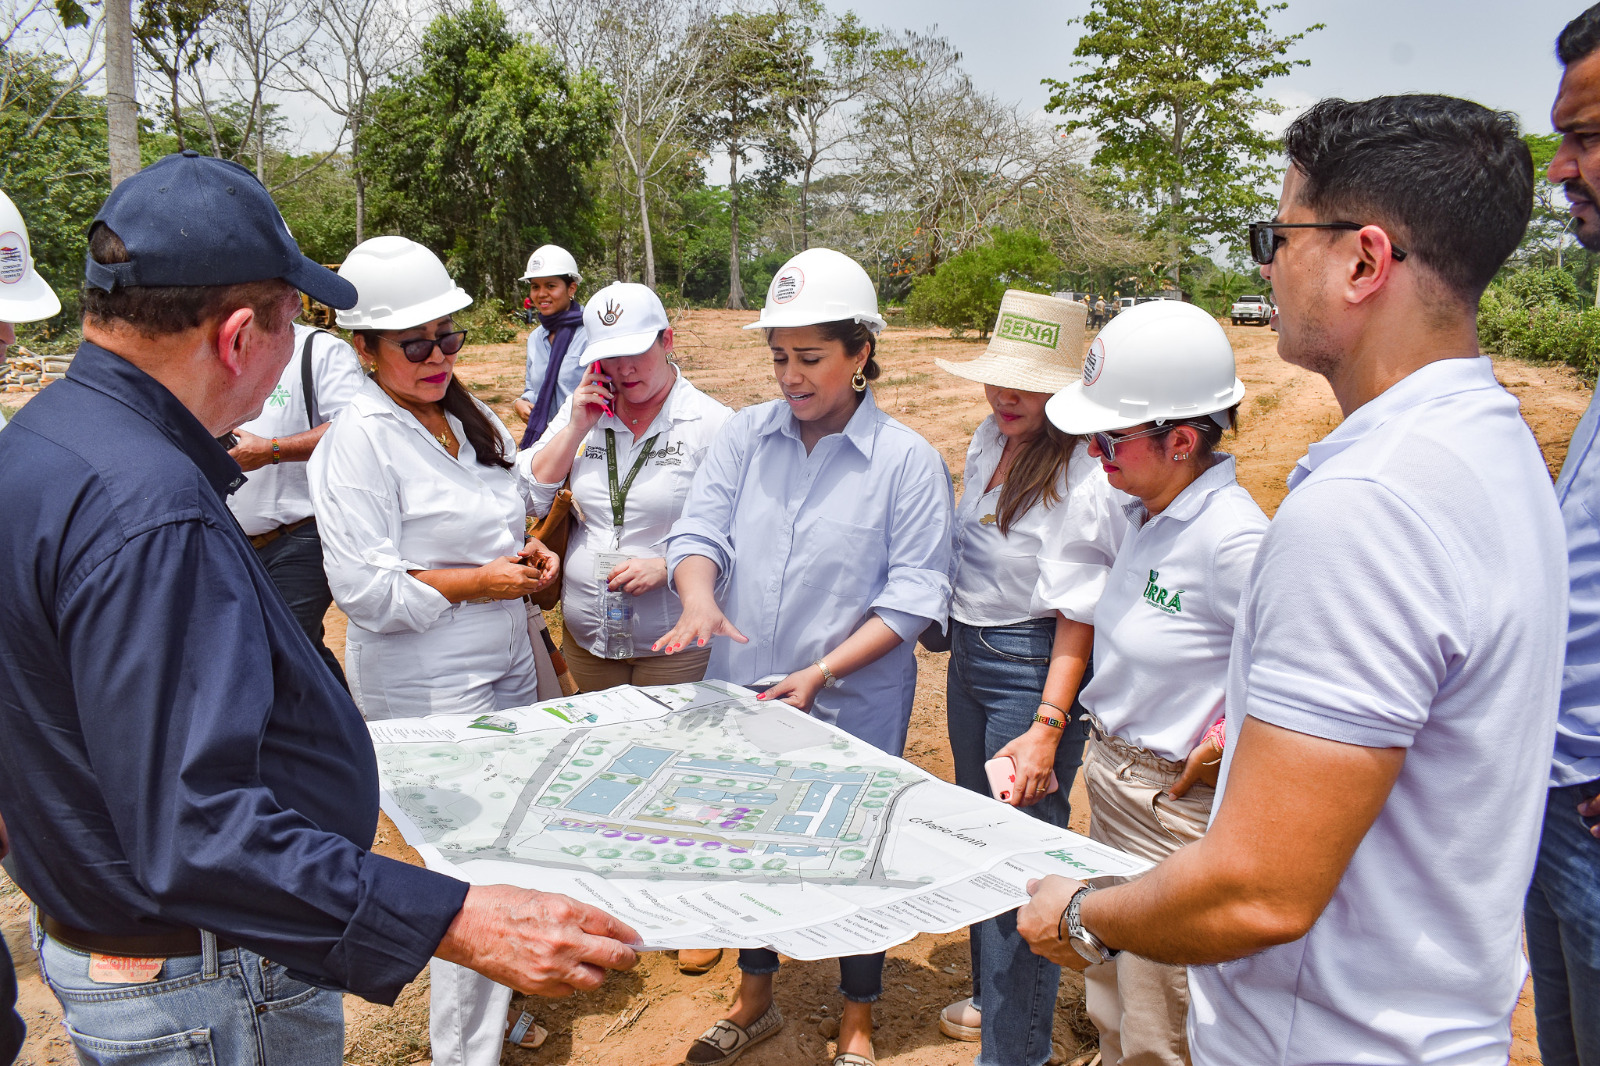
[{"x": 1035, "y": 534}]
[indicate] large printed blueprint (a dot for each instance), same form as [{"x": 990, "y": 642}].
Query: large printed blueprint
[{"x": 703, "y": 817}]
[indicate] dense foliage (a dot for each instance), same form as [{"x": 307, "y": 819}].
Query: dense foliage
[{"x": 964, "y": 292}]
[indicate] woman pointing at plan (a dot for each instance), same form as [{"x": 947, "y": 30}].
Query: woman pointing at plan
[{"x": 825, "y": 526}]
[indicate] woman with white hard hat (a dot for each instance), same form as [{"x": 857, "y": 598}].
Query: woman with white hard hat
[
  {"x": 555, "y": 347},
  {"x": 24, "y": 296},
  {"x": 1158, "y": 391},
  {"x": 422, "y": 514},
  {"x": 1036, "y": 531},
  {"x": 825, "y": 524}
]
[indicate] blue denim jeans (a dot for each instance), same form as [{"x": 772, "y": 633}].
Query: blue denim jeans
[
  {"x": 225, "y": 1008},
  {"x": 294, "y": 562},
  {"x": 860, "y": 976},
  {"x": 996, "y": 678},
  {"x": 1562, "y": 919}
]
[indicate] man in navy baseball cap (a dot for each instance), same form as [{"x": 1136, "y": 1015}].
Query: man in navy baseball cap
[{"x": 191, "y": 795}]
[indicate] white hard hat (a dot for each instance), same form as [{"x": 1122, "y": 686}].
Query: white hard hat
[
  {"x": 622, "y": 319},
  {"x": 399, "y": 284},
  {"x": 1157, "y": 361},
  {"x": 820, "y": 285},
  {"x": 24, "y": 296},
  {"x": 551, "y": 261}
]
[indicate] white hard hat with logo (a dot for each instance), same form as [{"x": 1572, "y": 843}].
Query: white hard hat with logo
[
  {"x": 399, "y": 284},
  {"x": 551, "y": 261},
  {"x": 622, "y": 319},
  {"x": 820, "y": 285},
  {"x": 1156, "y": 362},
  {"x": 24, "y": 296}
]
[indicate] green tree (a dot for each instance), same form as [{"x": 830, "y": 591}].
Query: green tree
[
  {"x": 481, "y": 151},
  {"x": 1171, "y": 93},
  {"x": 964, "y": 292},
  {"x": 168, "y": 34}
]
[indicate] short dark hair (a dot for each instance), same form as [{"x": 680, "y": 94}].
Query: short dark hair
[
  {"x": 1580, "y": 37},
  {"x": 160, "y": 310},
  {"x": 1451, "y": 180}
]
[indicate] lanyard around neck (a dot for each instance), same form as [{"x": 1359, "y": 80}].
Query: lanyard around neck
[{"x": 619, "y": 493}]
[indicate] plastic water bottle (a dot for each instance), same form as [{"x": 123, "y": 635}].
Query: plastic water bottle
[{"x": 616, "y": 623}]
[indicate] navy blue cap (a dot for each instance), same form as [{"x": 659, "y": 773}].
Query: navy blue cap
[{"x": 192, "y": 219}]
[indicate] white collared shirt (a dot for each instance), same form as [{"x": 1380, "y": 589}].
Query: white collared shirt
[
  {"x": 568, "y": 377},
  {"x": 278, "y": 494},
  {"x": 1054, "y": 558},
  {"x": 1164, "y": 625},
  {"x": 1410, "y": 593},
  {"x": 810, "y": 546},
  {"x": 389, "y": 498},
  {"x": 684, "y": 428}
]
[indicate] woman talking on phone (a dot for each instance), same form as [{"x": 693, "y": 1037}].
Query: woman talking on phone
[
  {"x": 815, "y": 546},
  {"x": 422, "y": 515},
  {"x": 1158, "y": 391},
  {"x": 1035, "y": 534}
]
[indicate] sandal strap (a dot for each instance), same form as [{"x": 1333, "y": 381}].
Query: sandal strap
[
  {"x": 520, "y": 1029},
  {"x": 715, "y": 1036},
  {"x": 850, "y": 1058}
]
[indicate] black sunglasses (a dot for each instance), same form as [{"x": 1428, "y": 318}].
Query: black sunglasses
[
  {"x": 419, "y": 348},
  {"x": 1264, "y": 242}
]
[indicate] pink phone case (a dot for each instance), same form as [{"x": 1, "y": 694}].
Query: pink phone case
[
  {"x": 606, "y": 407},
  {"x": 1002, "y": 771}
]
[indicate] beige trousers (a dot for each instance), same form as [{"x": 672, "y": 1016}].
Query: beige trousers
[
  {"x": 1140, "y": 1007},
  {"x": 593, "y": 673}
]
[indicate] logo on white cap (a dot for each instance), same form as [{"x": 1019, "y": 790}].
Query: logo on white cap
[
  {"x": 1094, "y": 362},
  {"x": 787, "y": 285},
  {"x": 612, "y": 312},
  {"x": 535, "y": 264},
  {"x": 13, "y": 257}
]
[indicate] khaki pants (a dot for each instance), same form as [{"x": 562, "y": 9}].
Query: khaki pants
[
  {"x": 1140, "y": 1007},
  {"x": 593, "y": 673}
]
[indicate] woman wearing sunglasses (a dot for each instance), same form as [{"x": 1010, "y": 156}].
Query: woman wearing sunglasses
[
  {"x": 1158, "y": 391},
  {"x": 422, "y": 514}
]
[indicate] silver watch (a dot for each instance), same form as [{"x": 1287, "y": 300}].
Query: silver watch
[{"x": 1085, "y": 943}]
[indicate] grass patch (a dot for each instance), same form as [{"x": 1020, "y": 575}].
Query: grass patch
[{"x": 917, "y": 378}]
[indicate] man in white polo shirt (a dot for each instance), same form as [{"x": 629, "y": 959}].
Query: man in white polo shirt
[
  {"x": 1397, "y": 659},
  {"x": 273, "y": 506}
]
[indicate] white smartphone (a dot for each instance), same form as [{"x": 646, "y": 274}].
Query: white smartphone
[{"x": 1002, "y": 771}]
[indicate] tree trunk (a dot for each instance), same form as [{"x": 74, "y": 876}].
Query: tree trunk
[
  {"x": 644, "y": 226},
  {"x": 261, "y": 137},
  {"x": 177, "y": 116},
  {"x": 736, "y": 301},
  {"x": 122, "y": 110},
  {"x": 360, "y": 182},
  {"x": 805, "y": 207}
]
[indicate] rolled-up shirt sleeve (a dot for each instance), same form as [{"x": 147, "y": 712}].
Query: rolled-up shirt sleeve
[
  {"x": 706, "y": 524},
  {"x": 359, "y": 522},
  {"x": 918, "y": 581},
  {"x": 176, "y": 742},
  {"x": 1085, "y": 530},
  {"x": 533, "y": 372}
]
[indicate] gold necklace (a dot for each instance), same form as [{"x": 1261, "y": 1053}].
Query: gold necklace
[{"x": 446, "y": 438}]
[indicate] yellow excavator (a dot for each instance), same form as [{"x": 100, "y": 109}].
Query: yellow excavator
[{"x": 315, "y": 312}]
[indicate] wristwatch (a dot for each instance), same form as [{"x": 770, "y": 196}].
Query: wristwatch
[
  {"x": 1083, "y": 942},
  {"x": 828, "y": 680}
]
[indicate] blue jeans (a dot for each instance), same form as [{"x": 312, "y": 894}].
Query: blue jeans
[
  {"x": 860, "y": 976},
  {"x": 1562, "y": 919},
  {"x": 294, "y": 562},
  {"x": 996, "y": 677},
  {"x": 228, "y": 1008}
]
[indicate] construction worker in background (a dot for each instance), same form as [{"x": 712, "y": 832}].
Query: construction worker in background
[
  {"x": 555, "y": 347},
  {"x": 24, "y": 297},
  {"x": 273, "y": 506}
]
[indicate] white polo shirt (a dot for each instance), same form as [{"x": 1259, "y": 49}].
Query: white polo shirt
[
  {"x": 276, "y": 495},
  {"x": 1411, "y": 592},
  {"x": 1164, "y": 624},
  {"x": 1053, "y": 558}
]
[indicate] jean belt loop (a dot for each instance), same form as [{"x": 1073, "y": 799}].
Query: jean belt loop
[
  {"x": 35, "y": 929},
  {"x": 208, "y": 954}
]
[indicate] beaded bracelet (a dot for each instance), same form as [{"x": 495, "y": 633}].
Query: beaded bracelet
[
  {"x": 1049, "y": 719},
  {"x": 275, "y": 455}
]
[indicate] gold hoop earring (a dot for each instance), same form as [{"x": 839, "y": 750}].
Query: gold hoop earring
[{"x": 859, "y": 382}]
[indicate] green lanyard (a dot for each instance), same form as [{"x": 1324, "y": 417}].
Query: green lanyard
[{"x": 619, "y": 493}]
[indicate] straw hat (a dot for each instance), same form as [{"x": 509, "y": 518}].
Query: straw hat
[{"x": 1036, "y": 346}]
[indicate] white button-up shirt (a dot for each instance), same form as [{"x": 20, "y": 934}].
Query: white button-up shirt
[
  {"x": 278, "y": 494},
  {"x": 810, "y": 546},
  {"x": 1055, "y": 557},
  {"x": 1164, "y": 625},
  {"x": 1410, "y": 593},
  {"x": 389, "y": 498},
  {"x": 572, "y": 367},
  {"x": 684, "y": 429}
]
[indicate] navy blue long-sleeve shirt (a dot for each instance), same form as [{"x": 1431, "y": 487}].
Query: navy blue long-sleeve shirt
[{"x": 173, "y": 752}]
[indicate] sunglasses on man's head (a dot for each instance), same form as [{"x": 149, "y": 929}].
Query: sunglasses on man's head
[
  {"x": 419, "y": 348},
  {"x": 1264, "y": 240}
]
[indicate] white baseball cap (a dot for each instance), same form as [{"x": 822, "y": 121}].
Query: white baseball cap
[{"x": 622, "y": 319}]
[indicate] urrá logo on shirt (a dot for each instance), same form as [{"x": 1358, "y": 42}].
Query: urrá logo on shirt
[{"x": 1160, "y": 598}]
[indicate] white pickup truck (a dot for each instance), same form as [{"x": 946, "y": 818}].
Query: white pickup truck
[{"x": 1256, "y": 310}]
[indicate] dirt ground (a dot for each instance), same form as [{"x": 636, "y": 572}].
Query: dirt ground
[{"x": 650, "y": 1015}]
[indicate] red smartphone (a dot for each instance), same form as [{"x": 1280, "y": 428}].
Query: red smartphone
[
  {"x": 595, "y": 368},
  {"x": 1002, "y": 771}
]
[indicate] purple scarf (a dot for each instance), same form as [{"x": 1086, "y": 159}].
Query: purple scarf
[{"x": 561, "y": 326}]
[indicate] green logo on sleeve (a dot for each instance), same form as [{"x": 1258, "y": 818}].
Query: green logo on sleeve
[
  {"x": 1160, "y": 598},
  {"x": 279, "y": 397}
]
